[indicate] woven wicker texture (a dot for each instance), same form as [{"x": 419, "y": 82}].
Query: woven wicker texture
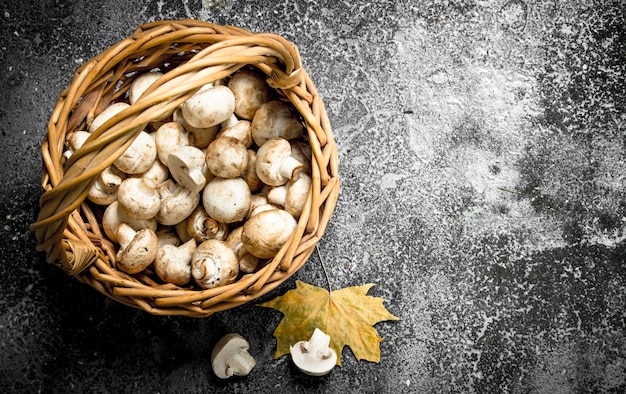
[{"x": 191, "y": 54}]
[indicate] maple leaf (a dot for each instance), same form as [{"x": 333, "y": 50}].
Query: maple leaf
[{"x": 347, "y": 315}]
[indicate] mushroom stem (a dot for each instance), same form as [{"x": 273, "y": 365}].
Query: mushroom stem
[
  {"x": 290, "y": 167},
  {"x": 318, "y": 344}
]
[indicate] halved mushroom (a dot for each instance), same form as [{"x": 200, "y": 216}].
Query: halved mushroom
[
  {"x": 188, "y": 167},
  {"x": 214, "y": 264},
  {"x": 314, "y": 357},
  {"x": 230, "y": 357},
  {"x": 138, "y": 249}
]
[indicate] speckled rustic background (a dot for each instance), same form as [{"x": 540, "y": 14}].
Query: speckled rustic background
[{"x": 483, "y": 160}]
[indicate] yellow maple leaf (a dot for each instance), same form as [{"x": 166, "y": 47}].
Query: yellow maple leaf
[{"x": 347, "y": 315}]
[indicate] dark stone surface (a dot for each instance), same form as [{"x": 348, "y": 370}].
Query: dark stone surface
[{"x": 483, "y": 164}]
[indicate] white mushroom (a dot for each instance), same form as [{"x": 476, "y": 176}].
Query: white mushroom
[
  {"x": 188, "y": 167},
  {"x": 169, "y": 137},
  {"x": 139, "y": 156},
  {"x": 227, "y": 157},
  {"x": 240, "y": 130},
  {"x": 108, "y": 113},
  {"x": 292, "y": 195},
  {"x": 75, "y": 141},
  {"x": 198, "y": 137},
  {"x": 266, "y": 232},
  {"x": 202, "y": 227},
  {"x": 113, "y": 216},
  {"x": 157, "y": 173},
  {"x": 274, "y": 163},
  {"x": 250, "y": 91},
  {"x": 209, "y": 107},
  {"x": 167, "y": 236},
  {"x": 138, "y": 249},
  {"x": 226, "y": 200},
  {"x": 275, "y": 119},
  {"x": 230, "y": 357},
  {"x": 138, "y": 198},
  {"x": 314, "y": 357},
  {"x": 214, "y": 264},
  {"x": 104, "y": 189},
  {"x": 250, "y": 176},
  {"x": 141, "y": 84},
  {"x": 177, "y": 202},
  {"x": 247, "y": 262},
  {"x": 173, "y": 263}
]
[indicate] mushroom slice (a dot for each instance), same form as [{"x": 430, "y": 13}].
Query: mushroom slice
[
  {"x": 314, "y": 357},
  {"x": 230, "y": 357},
  {"x": 187, "y": 166}
]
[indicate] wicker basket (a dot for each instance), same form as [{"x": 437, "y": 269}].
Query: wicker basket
[{"x": 191, "y": 54}]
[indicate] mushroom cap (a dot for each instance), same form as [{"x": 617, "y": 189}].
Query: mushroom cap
[
  {"x": 187, "y": 166},
  {"x": 109, "y": 112},
  {"x": 275, "y": 119},
  {"x": 214, "y": 264},
  {"x": 230, "y": 357},
  {"x": 274, "y": 163},
  {"x": 113, "y": 216},
  {"x": 227, "y": 200},
  {"x": 139, "y": 156},
  {"x": 240, "y": 130},
  {"x": 266, "y": 232},
  {"x": 291, "y": 196},
  {"x": 138, "y": 198},
  {"x": 177, "y": 202},
  {"x": 250, "y": 91},
  {"x": 227, "y": 157},
  {"x": 247, "y": 262},
  {"x": 173, "y": 263},
  {"x": 139, "y": 253},
  {"x": 252, "y": 179},
  {"x": 169, "y": 137},
  {"x": 209, "y": 107},
  {"x": 141, "y": 84}
]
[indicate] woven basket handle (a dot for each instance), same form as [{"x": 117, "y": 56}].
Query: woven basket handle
[{"x": 221, "y": 50}]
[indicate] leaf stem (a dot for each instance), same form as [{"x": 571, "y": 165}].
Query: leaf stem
[{"x": 330, "y": 290}]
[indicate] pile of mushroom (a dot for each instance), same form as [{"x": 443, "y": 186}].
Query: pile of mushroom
[{"x": 209, "y": 193}]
